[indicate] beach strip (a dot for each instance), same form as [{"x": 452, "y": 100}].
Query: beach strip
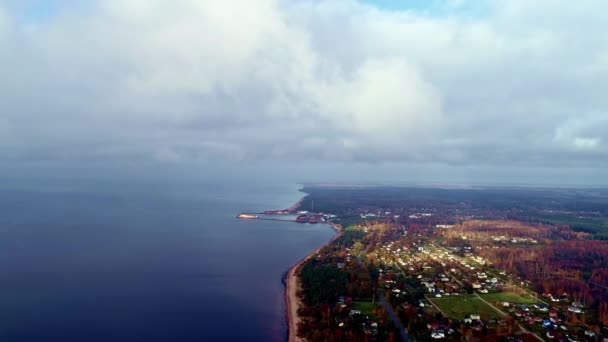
[{"x": 292, "y": 287}]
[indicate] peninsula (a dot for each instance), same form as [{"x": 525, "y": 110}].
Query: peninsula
[{"x": 457, "y": 264}]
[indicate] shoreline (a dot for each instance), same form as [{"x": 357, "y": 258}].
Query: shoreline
[
  {"x": 292, "y": 286},
  {"x": 296, "y": 205}
]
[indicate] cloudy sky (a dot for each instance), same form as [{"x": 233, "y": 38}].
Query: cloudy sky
[{"x": 460, "y": 86}]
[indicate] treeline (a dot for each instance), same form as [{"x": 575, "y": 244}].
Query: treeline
[
  {"x": 349, "y": 237},
  {"x": 596, "y": 226},
  {"x": 577, "y": 267},
  {"x": 322, "y": 283},
  {"x": 339, "y": 199}
]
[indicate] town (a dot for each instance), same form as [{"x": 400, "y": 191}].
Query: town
[{"x": 458, "y": 273}]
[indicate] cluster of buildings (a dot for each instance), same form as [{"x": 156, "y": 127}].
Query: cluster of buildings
[
  {"x": 443, "y": 272},
  {"x": 513, "y": 240},
  {"x": 308, "y": 217}
]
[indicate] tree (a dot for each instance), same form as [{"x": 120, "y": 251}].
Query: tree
[{"x": 357, "y": 248}]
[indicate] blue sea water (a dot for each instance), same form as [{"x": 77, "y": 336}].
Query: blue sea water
[{"x": 153, "y": 262}]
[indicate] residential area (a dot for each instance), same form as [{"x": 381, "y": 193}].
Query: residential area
[{"x": 430, "y": 275}]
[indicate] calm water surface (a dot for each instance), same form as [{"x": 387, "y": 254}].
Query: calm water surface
[{"x": 118, "y": 262}]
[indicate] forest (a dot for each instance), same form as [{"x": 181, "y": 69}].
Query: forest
[{"x": 582, "y": 210}]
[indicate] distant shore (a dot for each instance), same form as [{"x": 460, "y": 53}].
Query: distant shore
[
  {"x": 296, "y": 206},
  {"x": 293, "y": 286}
]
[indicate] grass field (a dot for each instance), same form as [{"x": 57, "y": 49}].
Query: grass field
[
  {"x": 507, "y": 296},
  {"x": 366, "y": 308},
  {"x": 462, "y": 307}
]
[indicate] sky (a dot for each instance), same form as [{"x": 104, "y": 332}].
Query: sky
[{"x": 373, "y": 90}]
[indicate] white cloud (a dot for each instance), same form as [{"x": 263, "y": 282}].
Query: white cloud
[
  {"x": 385, "y": 100},
  {"x": 582, "y": 133},
  {"x": 586, "y": 143},
  {"x": 339, "y": 80}
]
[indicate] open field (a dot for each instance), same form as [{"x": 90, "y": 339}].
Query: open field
[
  {"x": 462, "y": 307},
  {"x": 507, "y": 296},
  {"x": 366, "y": 308}
]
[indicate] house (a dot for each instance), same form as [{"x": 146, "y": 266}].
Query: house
[
  {"x": 429, "y": 285},
  {"x": 578, "y": 305},
  {"x": 589, "y": 333},
  {"x": 439, "y": 334}
]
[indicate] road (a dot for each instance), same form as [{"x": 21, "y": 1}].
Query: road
[
  {"x": 392, "y": 315},
  {"x": 524, "y": 330}
]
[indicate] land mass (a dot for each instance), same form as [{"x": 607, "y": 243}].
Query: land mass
[
  {"x": 293, "y": 287},
  {"x": 455, "y": 264}
]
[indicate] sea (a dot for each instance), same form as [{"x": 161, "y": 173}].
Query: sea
[{"x": 111, "y": 261}]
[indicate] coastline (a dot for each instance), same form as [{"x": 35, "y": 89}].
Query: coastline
[
  {"x": 296, "y": 205},
  {"x": 292, "y": 287}
]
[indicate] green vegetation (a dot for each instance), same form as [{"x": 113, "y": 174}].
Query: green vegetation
[
  {"x": 349, "y": 237},
  {"x": 322, "y": 283},
  {"x": 366, "y": 308},
  {"x": 350, "y": 220},
  {"x": 508, "y": 296},
  {"x": 598, "y": 227},
  {"x": 325, "y": 204},
  {"x": 352, "y": 228},
  {"x": 550, "y": 206},
  {"x": 463, "y": 306}
]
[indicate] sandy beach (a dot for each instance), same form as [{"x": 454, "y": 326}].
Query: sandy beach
[{"x": 292, "y": 286}]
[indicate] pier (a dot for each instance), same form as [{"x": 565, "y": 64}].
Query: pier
[{"x": 268, "y": 217}]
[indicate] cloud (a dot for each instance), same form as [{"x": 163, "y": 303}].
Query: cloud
[
  {"x": 195, "y": 80},
  {"x": 582, "y": 134},
  {"x": 586, "y": 143}
]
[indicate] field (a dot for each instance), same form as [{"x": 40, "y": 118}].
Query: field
[
  {"x": 462, "y": 307},
  {"x": 507, "y": 296},
  {"x": 366, "y": 308}
]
